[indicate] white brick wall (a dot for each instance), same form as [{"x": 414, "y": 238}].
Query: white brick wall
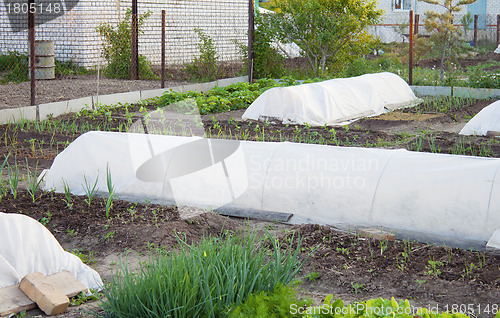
[{"x": 76, "y": 39}]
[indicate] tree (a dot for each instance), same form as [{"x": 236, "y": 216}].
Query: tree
[
  {"x": 444, "y": 34},
  {"x": 326, "y": 30}
]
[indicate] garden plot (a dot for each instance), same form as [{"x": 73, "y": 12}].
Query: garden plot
[{"x": 347, "y": 265}]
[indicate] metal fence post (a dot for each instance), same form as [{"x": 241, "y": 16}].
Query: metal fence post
[
  {"x": 31, "y": 40},
  {"x": 498, "y": 29},
  {"x": 475, "y": 30},
  {"x": 410, "y": 60},
  {"x": 162, "y": 48},
  {"x": 251, "y": 27},
  {"x": 134, "y": 69}
]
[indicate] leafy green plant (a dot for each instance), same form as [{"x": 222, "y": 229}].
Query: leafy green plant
[
  {"x": 201, "y": 280},
  {"x": 433, "y": 268},
  {"x": 275, "y": 303},
  {"x": 117, "y": 48},
  {"x": 204, "y": 67},
  {"x": 46, "y": 219}
]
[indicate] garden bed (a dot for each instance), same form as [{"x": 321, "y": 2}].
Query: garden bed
[{"x": 343, "y": 264}]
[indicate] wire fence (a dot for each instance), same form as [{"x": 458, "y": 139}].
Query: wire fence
[
  {"x": 85, "y": 47},
  {"x": 487, "y": 29},
  {"x": 79, "y": 41}
]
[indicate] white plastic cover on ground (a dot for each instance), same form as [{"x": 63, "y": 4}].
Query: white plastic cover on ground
[
  {"x": 27, "y": 247},
  {"x": 444, "y": 197},
  {"x": 334, "y": 101},
  {"x": 487, "y": 120},
  {"x": 497, "y": 50}
]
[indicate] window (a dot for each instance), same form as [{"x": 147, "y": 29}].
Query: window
[{"x": 402, "y": 4}]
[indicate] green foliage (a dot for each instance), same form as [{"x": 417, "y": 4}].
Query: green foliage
[
  {"x": 332, "y": 31},
  {"x": 272, "y": 304},
  {"x": 220, "y": 99},
  {"x": 444, "y": 34},
  {"x": 372, "y": 308},
  {"x": 479, "y": 77},
  {"x": 117, "y": 48},
  {"x": 267, "y": 63},
  {"x": 15, "y": 65},
  {"x": 201, "y": 280},
  {"x": 204, "y": 67},
  {"x": 363, "y": 66}
]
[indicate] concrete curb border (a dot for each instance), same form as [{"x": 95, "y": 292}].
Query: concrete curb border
[{"x": 44, "y": 111}]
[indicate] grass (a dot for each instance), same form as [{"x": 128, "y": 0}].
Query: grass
[
  {"x": 15, "y": 66},
  {"x": 202, "y": 280}
]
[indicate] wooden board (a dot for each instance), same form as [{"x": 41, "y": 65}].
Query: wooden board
[
  {"x": 255, "y": 214},
  {"x": 13, "y": 300}
]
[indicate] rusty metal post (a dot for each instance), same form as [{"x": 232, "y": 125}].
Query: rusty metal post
[
  {"x": 498, "y": 29},
  {"x": 410, "y": 59},
  {"x": 475, "y": 30},
  {"x": 251, "y": 28},
  {"x": 162, "y": 48},
  {"x": 31, "y": 40},
  {"x": 417, "y": 20},
  {"x": 134, "y": 67}
]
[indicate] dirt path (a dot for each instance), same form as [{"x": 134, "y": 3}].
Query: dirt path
[{"x": 60, "y": 89}]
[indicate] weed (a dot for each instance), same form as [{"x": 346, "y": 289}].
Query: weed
[
  {"x": 433, "y": 268},
  {"x": 357, "y": 287}
]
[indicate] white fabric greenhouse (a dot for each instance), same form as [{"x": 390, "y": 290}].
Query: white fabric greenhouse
[
  {"x": 440, "y": 196},
  {"x": 486, "y": 121},
  {"x": 27, "y": 247},
  {"x": 334, "y": 101}
]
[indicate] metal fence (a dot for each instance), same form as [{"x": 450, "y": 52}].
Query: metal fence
[
  {"x": 483, "y": 28},
  {"x": 69, "y": 37}
]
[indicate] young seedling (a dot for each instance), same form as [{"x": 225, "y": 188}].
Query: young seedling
[
  {"x": 67, "y": 195},
  {"x": 32, "y": 182},
  {"x": 90, "y": 191},
  {"x": 3, "y": 190},
  {"x": 13, "y": 179},
  {"x": 111, "y": 192}
]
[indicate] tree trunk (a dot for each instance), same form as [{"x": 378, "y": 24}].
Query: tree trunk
[{"x": 443, "y": 57}]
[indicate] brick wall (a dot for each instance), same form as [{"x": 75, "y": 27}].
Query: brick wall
[{"x": 76, "y": 39}]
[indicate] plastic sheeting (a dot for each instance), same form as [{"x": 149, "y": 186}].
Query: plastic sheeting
[
  {"x": 487, "y": 120},
  {"x": 27, "y": 247},
  {"x": 334, "y": 101},
  {"x": 433, "y": 195}
]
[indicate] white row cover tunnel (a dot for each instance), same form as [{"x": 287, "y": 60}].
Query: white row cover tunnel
[{"x": 444, "y": 197}]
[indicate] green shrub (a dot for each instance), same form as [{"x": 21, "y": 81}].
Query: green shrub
[
  {"x": 268, "y": 63},
  {"x": 204, "y": 67},
  {"x": 201, "y": 280},
  {"x": 480, "y": 78},
  {"x": 16, "y": 66},
  {"x": 117, "y": 48}
]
